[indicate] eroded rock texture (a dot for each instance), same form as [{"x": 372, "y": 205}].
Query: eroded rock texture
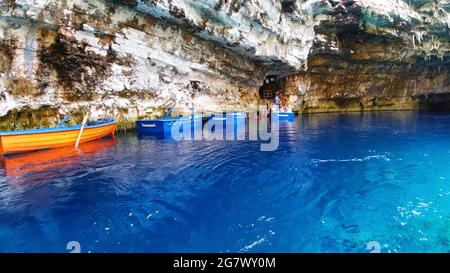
[
  {"x": 376, "y": 55},
  {"x": 133, "y": 58}
]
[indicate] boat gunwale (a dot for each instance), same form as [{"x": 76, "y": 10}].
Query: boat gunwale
[
  {"x": 287, "y": 112},
  {"x": 222, "y": 116},
  {"x": 55, "y": 129},
  {"x": 169, "y": 119}
]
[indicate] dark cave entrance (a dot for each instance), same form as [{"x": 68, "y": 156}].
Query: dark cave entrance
[
  {"x": 435, "y": 102},
  {"x": 270, "y": 86},
  {"x": 268, "y": 91}
]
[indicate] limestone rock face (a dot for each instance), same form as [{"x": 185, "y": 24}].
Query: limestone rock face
[
  {"x": 376, "y": 55},
  {"x": 133, "y": 58}
]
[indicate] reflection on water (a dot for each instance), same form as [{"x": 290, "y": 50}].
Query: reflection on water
[
  {"x": 337, "y": 182},
  {"x": 58, "y": 159}
]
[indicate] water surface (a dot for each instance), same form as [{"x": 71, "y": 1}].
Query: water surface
[{"x": 337, "y": 182}]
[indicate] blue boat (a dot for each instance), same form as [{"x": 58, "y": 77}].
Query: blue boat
[
  {"x": 288, "y": 116},
  {"x": 164, "y": 125},
  {"x": 237, "y": 119}
]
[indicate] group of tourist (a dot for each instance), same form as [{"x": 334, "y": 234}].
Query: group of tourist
[{"x": 279, "y": 103}]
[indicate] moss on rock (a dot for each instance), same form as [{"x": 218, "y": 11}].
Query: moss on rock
[{"x": 28, "y": 118}]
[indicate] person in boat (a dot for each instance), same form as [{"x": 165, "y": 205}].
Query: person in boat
[
  {"x": 276, "y": 101},
  {"x": 281, "y": 107},
  {"x": 284, "y": 104},
  {"x": 269, "y": 106}
]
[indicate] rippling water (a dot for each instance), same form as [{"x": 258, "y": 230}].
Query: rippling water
[{"x": 337, "y": 182}]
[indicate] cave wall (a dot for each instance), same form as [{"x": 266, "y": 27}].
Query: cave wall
[
  {"x": 135, "y": 58},
  {"x": 376, "y": 55},
  {"x": 354, "y": 86},
  {"x": 111, "y": 59}
]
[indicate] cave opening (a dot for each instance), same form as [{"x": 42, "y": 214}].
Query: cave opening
[
  {"x": 270, "y": 86},
  {"x": 275, "y": 95},
  {"x": 435, "y": 102}
]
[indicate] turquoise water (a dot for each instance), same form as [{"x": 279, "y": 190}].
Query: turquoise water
[{"x": 337, "y": 182}]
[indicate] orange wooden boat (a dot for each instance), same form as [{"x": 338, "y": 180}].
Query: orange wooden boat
[{"x": 60, "y": 136}]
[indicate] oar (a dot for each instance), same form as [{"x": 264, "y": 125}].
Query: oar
[
  {"x": 64, "y": 120},
  {"x": 167, "y": 114},
  {"x": 81, "y": 131}
]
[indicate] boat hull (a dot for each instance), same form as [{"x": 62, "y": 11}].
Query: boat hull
[
  {"x": 154, "y": 126},
  {"x": 164, "y": 126},
  {"x": 37, "y": 140},
  {"x": 237, "y": 120}
]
